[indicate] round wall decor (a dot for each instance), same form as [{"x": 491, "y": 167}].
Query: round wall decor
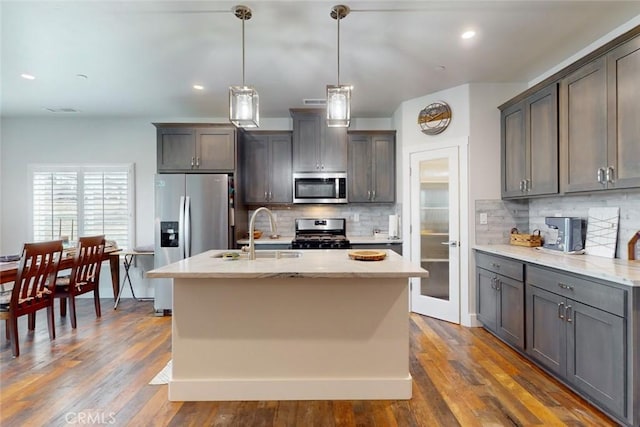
[{"x": 434, "y": 118}]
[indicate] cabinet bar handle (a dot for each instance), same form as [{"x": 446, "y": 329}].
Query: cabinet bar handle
[
  {"x": 193, "y": 161},
  {"x": 368, "y": 194},
  {"x": 527, "y": 185},
  {"x": 522, "y": 185},
  {"x": 600, "y": 176},
  {"x": 563, "y": 286},
  {"x": 609, "y": 175},
  {"x": 373, "y": 195},
  {"x": 265, "y": 196},
  {"x": 270, "y": 195},
  {"x": 494, "y": 265},
  {"x": 198, "y": 161},
  {"x": 568, "y": 312},
  {"x": 560, "y": 310}
]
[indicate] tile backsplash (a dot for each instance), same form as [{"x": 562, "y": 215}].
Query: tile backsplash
[
  {"x": 369, "y": 217},
  {"x": 502, "y": 214}
]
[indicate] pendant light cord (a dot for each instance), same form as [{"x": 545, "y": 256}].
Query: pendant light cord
[
  {"x": 243, "y": 52},
  {"x": 338, "y": 49}
]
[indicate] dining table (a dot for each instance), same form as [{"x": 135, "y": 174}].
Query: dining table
[{"x": 9, "y": 270}]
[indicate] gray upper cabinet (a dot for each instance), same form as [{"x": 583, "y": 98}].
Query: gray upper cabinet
[
  {"x": 266, "y": 167},
  {"x": 316, "y": 147},
  {"x": 599, "y": 119},
  {"x": 529, "y": 137},
  {"x": 195, "y": 148},
  {"x": 372, "y": 166},
  {"x": 583, "y": 135},
  {"x": 623, "y": 73}
]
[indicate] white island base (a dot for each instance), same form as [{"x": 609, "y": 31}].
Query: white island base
[
  {"x": 290, "y": 339},
  {"x": 319, "y": 327}
]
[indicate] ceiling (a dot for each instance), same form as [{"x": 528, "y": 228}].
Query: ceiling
[{"x": 141, "y": 58}]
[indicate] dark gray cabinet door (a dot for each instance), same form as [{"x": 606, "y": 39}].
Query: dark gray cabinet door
[
  {"x": 530, "y": 145},
  {"x": 215, "y": 149},
  {"x": 487, "y": 301},
  {"x": 307, "y": 133},
  {"x": 595, "y": 354},
  {"x": 280, "y": 177},
  {"x": 514, "y": 150},
  {"x": 583, "y": 132},
  {"x": 542, "y": 142},
  {"x": 623, "y": 73},
  {"x": 333, "y": 150},
  {"x": 372, "y": 167},
  {"x": 384, "y": 168},
  {"x": 176, "y": 148},
  {"x": 316, "y": 147},
  {"x": 546, "y": 332},
  {"x": 359, "y": 177},
  {"x": 255, "y": 168},
  {"x": 510, "y": 311}
]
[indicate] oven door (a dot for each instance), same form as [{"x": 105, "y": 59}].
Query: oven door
[{"x": 319, "y": 188}]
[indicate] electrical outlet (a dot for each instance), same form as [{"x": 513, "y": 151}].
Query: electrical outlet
[
  {"x": 356, "y": 217},
  {"x": 483, "y": 218}
]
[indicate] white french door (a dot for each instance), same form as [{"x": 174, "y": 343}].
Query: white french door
[{"x": 435, "y": 232}]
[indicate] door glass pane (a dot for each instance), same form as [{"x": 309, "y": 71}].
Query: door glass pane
[{"x": 434, "y": 226}]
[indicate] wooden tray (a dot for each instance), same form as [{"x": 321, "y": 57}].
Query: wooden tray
[{"x": 367, "y": 255}]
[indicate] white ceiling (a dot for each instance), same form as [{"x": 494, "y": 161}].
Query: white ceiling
[{"x": 142, "y": 57}]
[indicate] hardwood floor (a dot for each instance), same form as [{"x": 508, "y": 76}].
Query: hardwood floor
[{"x": 99, "y": 374}]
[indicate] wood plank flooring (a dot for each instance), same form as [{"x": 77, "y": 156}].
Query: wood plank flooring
[{"x": 99, "y": 374}]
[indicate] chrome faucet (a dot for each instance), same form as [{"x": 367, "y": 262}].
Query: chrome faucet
[{"x": 252, "y": 225}]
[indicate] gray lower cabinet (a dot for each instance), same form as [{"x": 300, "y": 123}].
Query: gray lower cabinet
[
  {"x": 501, "y": 298},
  {"x": 576, "y": 329},
  {"x": 266, "y": 166}
]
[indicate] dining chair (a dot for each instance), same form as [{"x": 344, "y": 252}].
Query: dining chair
[
  {"x": 84, "y": 278},
  {"x": 33, "y": 289}
]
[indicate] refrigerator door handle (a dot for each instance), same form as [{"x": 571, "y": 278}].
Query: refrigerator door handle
[
  {"x": 181, "y": 235},
  {"x": 187, "y": 227}
]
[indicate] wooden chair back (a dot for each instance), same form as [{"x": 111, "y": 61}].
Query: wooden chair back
[
  {"x": 33, "y": 289},
  {"x": 85, "y": 274},
  {"x": 35, "y": 279}
]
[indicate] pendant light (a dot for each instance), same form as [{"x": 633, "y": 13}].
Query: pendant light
[
  {"x": 339, "y": 96},
  {"x": 243, "y": 100}
]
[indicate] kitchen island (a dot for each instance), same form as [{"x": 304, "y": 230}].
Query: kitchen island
[{"x": 310, "y": 324}]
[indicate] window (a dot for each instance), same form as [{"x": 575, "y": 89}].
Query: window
[{"x": 82, "y": 200}]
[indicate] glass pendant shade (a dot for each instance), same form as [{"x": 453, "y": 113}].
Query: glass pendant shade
[
  {"x": 243, "y": 107},
  {"x": 338, "y": 106}
]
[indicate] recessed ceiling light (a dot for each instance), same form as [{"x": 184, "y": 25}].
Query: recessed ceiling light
[
  {"x": 198, "y": 87},
  {"x": 468, "y": 34},
  {"x": 27, "y": 76}
]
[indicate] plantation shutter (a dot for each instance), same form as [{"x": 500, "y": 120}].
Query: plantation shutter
[{"x": 82, "y": 200}]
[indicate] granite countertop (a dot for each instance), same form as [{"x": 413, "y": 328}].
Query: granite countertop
[
  {"x": 612, "y": 269},
  {"x": 333, "y": 263},
  {"x": 285, "y": 240}
]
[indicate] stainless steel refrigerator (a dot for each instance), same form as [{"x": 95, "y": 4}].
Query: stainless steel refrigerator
[{"x": 193, "y": 214}]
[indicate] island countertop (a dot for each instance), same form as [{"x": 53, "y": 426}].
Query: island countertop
[
  {"x": 612, "y": 269},
  {"x": 330, "y": 263}
]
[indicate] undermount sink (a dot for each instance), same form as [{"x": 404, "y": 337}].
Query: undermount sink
[{"x": 269, "y": 254}]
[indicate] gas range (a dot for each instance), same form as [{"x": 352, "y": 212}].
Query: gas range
[{"x": 321, "y": 233}]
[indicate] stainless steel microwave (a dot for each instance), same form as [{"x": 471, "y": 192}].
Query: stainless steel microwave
[{"x": 320, "y": 187}]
